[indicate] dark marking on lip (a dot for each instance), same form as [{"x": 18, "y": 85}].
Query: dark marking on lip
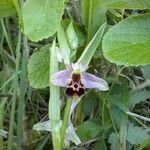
[{"x": 75, "y": 87}]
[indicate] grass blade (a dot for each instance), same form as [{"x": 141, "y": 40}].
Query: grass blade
[{"x": 15, "y": 84}]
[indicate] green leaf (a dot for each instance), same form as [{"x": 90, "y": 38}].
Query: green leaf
[
  {"x": 146, "y": 70},
  {"x": 78, "y": 30},
  {"x": 71, "y": 36},
  {"x": 98, "y": 16},
  {"x": 38, "y": 68},
  {"x": 116, "y": 114},
  {"x": 128, "y": 43},
  {"x": 88, "y": 130},
  {"x": 100, "y": 145},
  {"x": 41, "y": 18},
  {"x": 145, "y": 144},
  {"x": 89, "y": 103},
  {"x": 54, "y": 99},
  {"x": 63, "y": 44},
  {"x": 137, "y": 135},
  {"x": 126, "y": 4},
  {"x": 88, "y": 52},
  {"x": 7, "y": 8},
  {"x": 114, "y": 141},
  {"x": 118, "y": 101},
  {"x": 137, "y": 97}
]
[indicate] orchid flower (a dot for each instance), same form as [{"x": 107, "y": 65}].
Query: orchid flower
[
  {"x": 75, "y": 79},
  {"x": 70, "y": 132}
]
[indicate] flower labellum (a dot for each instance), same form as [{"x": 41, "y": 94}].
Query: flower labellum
[
  {"x": 76, "y": 80},
  {"x": 75, "y": 87}
]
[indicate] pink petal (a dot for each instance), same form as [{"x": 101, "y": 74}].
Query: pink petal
[
  {"x": 61, "y": 78},
  {"x": 90, "y": 81}
]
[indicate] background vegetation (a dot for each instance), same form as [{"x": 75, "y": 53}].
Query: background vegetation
[{"x": 112, "y": 36}]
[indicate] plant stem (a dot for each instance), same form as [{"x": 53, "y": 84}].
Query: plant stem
[
  {"x": 65, "y": 122},
  {"x": 2, "y": 104},
  {"x": 123, "y": 127},
  {"x": 15, "y": 85},
  {"x": 23, "y": 88},
  {"x": 79, "y": 112},
  {"x": 89, "y": 20}
]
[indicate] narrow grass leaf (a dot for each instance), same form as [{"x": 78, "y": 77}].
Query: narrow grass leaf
[
  {"x": 15, "y": 85},
  {"x": 93, "y": 16}
]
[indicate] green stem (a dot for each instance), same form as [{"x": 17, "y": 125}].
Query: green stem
[
  {"x": 89, "y": 20},
  {"x": 103, "y": 110},
  {"x": 79, "y": 112},
  {"x": 2, "y": 104},
  {"x": 123, "y": 127},
  {"x": 23, "y": 88},
  {"x": 65, "y": 122},
  {"x": 15, "y": 85}
]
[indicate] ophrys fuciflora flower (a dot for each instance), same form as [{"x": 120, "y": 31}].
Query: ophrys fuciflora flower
[{"x": 75, "y": 79}]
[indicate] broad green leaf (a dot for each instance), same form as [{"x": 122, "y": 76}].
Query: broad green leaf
[
  {"x": 126, "y": 4},
  {"x": 88, "y": 130},
  {"x": 38, "y": 68},
  {"x": 114, "y": 141},
  {"x": 116, "y": 114},
  {"x": 137, "y": 135},
  {"x": 88, "y": 52},
  {"x": 97, "y": 15},
  {"x": 89, "y": 103},
  {"x": 128, "y": 43},
  {"x": 146, "y": 70},
  {"x": 137, "y": 97},
  {"x": 41, "y": 18},
  {"x": 7, "y": 8},
  {"x": 118, "y": 101},
  {"x": 100, "y": 145}
]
